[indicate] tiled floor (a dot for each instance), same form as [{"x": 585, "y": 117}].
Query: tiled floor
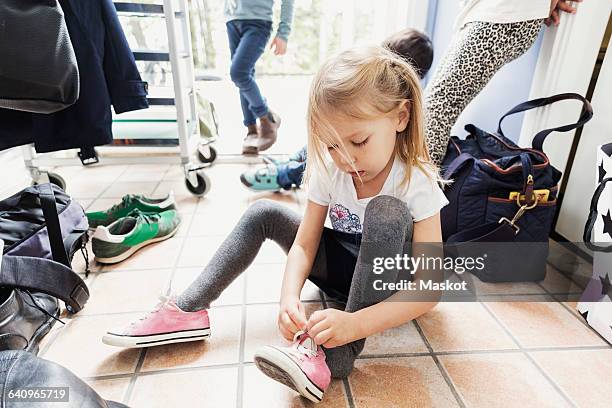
[{"x": 460, "y": 354}]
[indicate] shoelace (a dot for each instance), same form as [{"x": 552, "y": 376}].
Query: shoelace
[
  {"x": 164, "y": 298},
  {"x": 310, "y": 349},
  {"x": 85, "y": 253},
  {"x": 147, "y": 217},
  {"x": 126, "y": 200},
  {"x": 39, "y": 307}
]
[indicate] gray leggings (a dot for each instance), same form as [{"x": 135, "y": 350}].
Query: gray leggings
[{"x": 387, "y": 220}]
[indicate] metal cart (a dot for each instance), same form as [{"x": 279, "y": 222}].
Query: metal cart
[{"x": 188, "y": 140}]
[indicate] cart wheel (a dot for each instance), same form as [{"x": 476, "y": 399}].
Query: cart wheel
[
  {"x": 54, "y": 178},
  {"x": 58, "y": 180},
  {"x": 202, "y": 187},
  {"x": 207, "y": 159}
]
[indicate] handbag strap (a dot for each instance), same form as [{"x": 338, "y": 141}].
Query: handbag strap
[
  {"x": 538, "y": 141},
  {"x": 588, "y": 227},
  {"x": 457, "y": 164},
  {"x": 47, "y": 202},
  {"x": 45, "y": 275}
]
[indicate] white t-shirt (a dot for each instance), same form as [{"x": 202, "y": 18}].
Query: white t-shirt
[
  {"x": 501, "y": 11},
  {"x": 423, "y": 196}
]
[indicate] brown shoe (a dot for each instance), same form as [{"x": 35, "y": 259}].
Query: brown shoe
[
  {"x": 269, "y": 130},
  {"x": 251, "y": 141}
]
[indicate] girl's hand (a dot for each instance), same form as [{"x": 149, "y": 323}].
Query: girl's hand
[
  {"x": 333, "y": 328},
  {"x": 291, "y": 317}
]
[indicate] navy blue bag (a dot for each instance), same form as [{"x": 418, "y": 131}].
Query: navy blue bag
[{"x": 504, "y": 194}]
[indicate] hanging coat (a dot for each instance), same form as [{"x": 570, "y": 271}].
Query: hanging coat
[{"x": 108, "y": 76}]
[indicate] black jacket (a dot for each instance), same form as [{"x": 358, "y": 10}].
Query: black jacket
[{"x": 108, "y": 74}]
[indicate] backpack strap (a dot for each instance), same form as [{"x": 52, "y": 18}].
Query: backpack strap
[
  {"x": 47, "y": 202},
  {"x": 588, "y": 228},
  {"x": 47, "y": 276},
  {"x": 538, "y": 141}
]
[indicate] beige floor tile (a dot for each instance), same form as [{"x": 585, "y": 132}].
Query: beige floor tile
[
  {"x": 286, "y": 198},
  {"x": 113, "y": 389},
  {"x": 264, "y": 282},
  {"x": 555, "y": 282},
  {"x": 99, "y": 173},
  {"x": 120, "y": 188},
  {"x": 177, "y": 187},
  {"x": 214, "y": 223},
  {"x": 543, "y": 324},
  {"x": 221, "y": 348},
  {"x": 500, "y": 380},
  {"x": 456, "y": 326},
  {"x": 505, "y": 288},
  {"x": 157, "y": 255},
  {"x": 270, "y": 252},
  {"x": 79, "y": 347},
  {"x": 204, "y": 388},
  {"x": 399, "y": 382},
  {"x": 187, "y": 204},
  {"x": 219, "y": 204},
  {"x": 102, "y": 204},
  {"x": 197, "y": 251},
  {"x": 144, "y": 172},
  {"x": 185, "y": 224},
  {"x": 262, "y": 391},
  {"x": 126, "y": 291},
  {"x": 402, "y": 339},
  {"x": 583, "y": 375},
  {"x": 232, "y": 295},
  {"x": 85, "y": 203},
  {"x": 261, "y": 327},
  {"x": 84, "y": 188},
  {"x": 310, "y": 291}
]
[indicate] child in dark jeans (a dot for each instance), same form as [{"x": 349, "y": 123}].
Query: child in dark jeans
[
  {"x": 249, "y": 26},
  {"x": 410, "y": 44}
]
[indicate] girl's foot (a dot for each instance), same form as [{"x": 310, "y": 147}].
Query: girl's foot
[
  {"x": 166, "y": 324},
  {"x": 300, "y": 366}
]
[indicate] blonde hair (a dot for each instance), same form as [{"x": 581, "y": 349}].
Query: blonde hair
[{"x": 365, "y": 83}]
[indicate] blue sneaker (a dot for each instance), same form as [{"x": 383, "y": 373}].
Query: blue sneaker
[{"x": 262, "y": 178}]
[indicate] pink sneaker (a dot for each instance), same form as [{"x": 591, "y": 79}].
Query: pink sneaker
[
  {"x": 300, "y": 366},
  {"x": 164, "y": 325}
]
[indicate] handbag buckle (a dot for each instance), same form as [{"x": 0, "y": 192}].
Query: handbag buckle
[{"x": 519, "y": 213}]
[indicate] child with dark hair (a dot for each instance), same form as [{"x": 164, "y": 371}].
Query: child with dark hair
[{"x": 410, "y": 44}]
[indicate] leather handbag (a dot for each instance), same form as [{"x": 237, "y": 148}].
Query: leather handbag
[
  {"x": 38, "y": 68},
  {"x": 504, "y": 195}
]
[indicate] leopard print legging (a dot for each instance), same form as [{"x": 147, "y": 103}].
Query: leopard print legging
[{"x": 475, "y": 54}]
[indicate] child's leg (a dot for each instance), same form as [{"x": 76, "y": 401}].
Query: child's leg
[
  {"x": 265, "y": 219},
  {"x": 387, "y": 231},
  {"x": 253, "y": 38},
  {"x": 234, "y": 36},
  {"x": 476, "y": 53}
]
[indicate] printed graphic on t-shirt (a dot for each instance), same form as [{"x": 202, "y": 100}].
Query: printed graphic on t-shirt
[{"x": 343, "y": 219}]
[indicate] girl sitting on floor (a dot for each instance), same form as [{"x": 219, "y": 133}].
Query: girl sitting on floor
[{"x": 369, "y": 170}]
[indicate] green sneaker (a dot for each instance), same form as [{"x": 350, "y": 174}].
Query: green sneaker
[
  {"x": 129, "y": 203},
  {"x": 127, "y": 235},
  {"x": 262, "y": 178}
]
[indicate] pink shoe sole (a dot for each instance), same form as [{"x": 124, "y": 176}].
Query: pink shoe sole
[
  {"x": 125, "y": 341},
  {"x": 280, "y": 367}
]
